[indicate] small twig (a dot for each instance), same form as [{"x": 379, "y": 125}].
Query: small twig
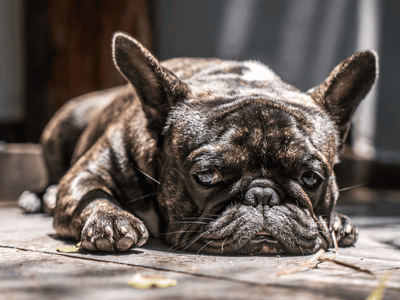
[
  {"x": 333, "y": 236},
  {"x": 344, "y": 264},
  {"x": 306, "y": 264},
  {"x": 317, "y": 256}
]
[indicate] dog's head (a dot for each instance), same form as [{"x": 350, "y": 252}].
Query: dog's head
[{"x": 247, "y": 159}]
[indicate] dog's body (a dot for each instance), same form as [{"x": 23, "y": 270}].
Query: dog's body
[{"x": 214, "y": 156}]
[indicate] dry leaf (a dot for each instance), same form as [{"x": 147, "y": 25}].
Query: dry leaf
[
  {"x": 145, "y": 282},
  {"x": 69, "y": 249},
  {"x": 377, "y": 293}
]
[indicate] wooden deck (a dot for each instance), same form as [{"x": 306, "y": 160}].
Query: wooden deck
[{"x": 32, "y": 268}]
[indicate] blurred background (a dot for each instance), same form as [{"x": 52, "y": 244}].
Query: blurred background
[{"x": 53, "y": 50}]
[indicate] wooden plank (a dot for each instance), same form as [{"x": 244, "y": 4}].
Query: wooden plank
[{"x": 210, "y": 276}]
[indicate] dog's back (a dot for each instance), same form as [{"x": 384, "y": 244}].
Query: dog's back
[{"x": 62, "y": 133}]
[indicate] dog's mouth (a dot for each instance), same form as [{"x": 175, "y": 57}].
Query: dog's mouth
[
  {"x": 264, "y": 236},
  {"x": 242, "y": 229}
]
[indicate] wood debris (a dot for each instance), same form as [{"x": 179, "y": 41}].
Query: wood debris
[
  {"x": 146, "y": 282},
  {"x": 318, "y": 257}
]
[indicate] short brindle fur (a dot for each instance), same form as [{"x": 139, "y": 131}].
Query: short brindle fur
[{"x": 211, "y": 155}]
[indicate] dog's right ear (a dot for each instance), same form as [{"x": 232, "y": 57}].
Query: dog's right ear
[
  {"x": 158, "y": 88},
  {"x": 345, "y": 87}
]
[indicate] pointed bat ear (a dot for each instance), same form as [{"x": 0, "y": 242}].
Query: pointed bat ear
[
  {"x": 157, "y": 87},
  {"x": 345, "y": 87}
]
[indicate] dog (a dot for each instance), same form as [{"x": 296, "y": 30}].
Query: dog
[{"x": 212, "y": 156}]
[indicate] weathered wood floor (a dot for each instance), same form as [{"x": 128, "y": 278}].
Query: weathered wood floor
[{"x": 31, "y": 268}]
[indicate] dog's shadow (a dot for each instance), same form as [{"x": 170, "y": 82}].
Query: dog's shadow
[{"x": 152, "y": 244}]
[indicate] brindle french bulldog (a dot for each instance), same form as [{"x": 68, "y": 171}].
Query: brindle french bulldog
[{"x": 215, "y": 156}]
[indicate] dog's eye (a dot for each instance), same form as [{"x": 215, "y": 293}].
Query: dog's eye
[
  {"x": 310, "y": 179},
  {"x": 208, "y": 178}
]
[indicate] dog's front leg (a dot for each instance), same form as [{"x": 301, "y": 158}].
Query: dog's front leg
[{"x": 88, "y": 211}]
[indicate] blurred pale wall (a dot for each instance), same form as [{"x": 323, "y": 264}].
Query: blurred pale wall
[
  {"x": 387, "y": 138},
  {"x": 293, "y": 37},
  {"x": 302, "y": 41}
]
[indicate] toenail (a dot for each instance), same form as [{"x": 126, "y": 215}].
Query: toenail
[
  {"x": 108, "y": 230},
  {"x": 123, "y": 230}
]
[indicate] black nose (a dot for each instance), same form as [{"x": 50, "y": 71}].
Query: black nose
[{"x": 264, "y": 195}]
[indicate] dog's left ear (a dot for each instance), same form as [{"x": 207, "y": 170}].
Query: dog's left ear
[
  {"x": 345, "y": 87},
  {"x": 157, "y": 87}
]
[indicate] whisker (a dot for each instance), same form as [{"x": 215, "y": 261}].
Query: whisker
[
  {"x": 184, "y": 231},
  {"x": 145, "y": 174},
  {"x": 341, "y": 197},
  {"x": 304, "y": 240},
  {"x": 320, "y": 222},
  {"x": 200, "y": 218},
  {"x": 353, "y": 187},
  {"x": 175, "y": 246},
  {"x": 145, "y": 196},
  {"x": 172, "y": 248},
  {"x": 195, "y": 240},
  {"x": 222, "y": 246},
  {"x": 204, "y": 246},
  {"x": 324, "y": 215},
  {"x": 190, "y": 222}
]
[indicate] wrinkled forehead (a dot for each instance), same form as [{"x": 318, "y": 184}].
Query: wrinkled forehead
[{"x": 256, "y": 130}]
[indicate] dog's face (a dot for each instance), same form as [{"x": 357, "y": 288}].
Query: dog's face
[
  {"x": 245, "y": 176},
  {"x": 247, "y": 161}
]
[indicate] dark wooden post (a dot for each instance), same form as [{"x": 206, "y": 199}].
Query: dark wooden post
[{"x": 69, "y": 51}]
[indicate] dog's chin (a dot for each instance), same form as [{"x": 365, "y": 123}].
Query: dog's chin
[
  {"x": 251, "y": 247},
  {"x": 257, "y": 247},
  {"x": 246, "y": 230},
  {"x": 264, "y": 243}
]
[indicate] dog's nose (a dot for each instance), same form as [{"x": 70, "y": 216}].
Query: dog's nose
[{"x": 264, "y": 195}]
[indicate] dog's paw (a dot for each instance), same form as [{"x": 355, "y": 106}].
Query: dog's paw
[
  {"x": 346, "y": 233},
  {"x": 50, "y": 199},
  {"x": 117, "y": 230},
  {"x": 29, "y": 202}
]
